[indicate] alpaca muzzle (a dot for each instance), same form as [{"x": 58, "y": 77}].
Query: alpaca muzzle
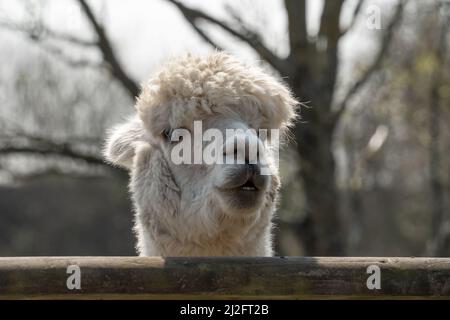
[{"x": 246, "y": 177}]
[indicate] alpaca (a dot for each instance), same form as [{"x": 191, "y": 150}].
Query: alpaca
[{"x": 199, "y": 209}]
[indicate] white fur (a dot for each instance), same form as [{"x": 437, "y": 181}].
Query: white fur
[{"x": 179, "y": 210}]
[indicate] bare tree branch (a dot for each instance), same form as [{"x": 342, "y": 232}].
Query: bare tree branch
[
  {"x": 298, "y": 31},
  {"x": 69, "y": 38},
  {"x": 18, "y": 133},
  {"x": 105, "y": 46},
  {"x": 54, "y": 171},
  {"x": 204, "y": 36},
  {"x": 63, "y": 150},
  {"x": 71, "y": 62},
  {"x": 102, "y": 43},
  {"x": 376, "y": 64},
  {"x": 16, "y": 141},
  {"x": 44, "y": 32},
  {"x": 249, "y": 37},
  {"x": 355, "y": 16},
  {"x": 38, "y": 35},
  {"x": 329, "y": 23}
]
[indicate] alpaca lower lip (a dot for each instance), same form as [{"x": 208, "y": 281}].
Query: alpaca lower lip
[{"x": 248, "y": 186}]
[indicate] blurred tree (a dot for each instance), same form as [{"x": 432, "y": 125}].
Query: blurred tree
[
  {"x": 439, "y": 243},
  {"x": 311, "y": 69},
  {"x": 407, "y": 176}
]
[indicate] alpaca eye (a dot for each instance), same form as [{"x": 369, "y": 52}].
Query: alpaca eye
[
  {"x": 174, "y": 136},
  {"x": 167, "y": 134}
]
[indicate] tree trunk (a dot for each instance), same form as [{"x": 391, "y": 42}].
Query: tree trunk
[
  {"x": 314, "y": 142},
  {"x": 438, "y": 243},
  {"x": 318, "y": 174}
]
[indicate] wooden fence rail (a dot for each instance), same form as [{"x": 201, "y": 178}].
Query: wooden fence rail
[{"x": 216, "y": 278}]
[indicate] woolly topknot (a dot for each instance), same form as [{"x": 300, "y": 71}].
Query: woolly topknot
[{"x": 192, "y": 87}]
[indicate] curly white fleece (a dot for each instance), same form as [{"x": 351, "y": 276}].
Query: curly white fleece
[{"x": 177, "y": 213}]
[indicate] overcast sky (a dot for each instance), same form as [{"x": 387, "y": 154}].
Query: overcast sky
[{"x": 145, "y": 32}]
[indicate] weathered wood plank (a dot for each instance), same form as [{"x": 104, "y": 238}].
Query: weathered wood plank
[{"x": 216, "y": 278}]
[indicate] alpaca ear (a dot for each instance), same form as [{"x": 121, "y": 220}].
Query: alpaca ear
[{"x": 122, "y": 141}]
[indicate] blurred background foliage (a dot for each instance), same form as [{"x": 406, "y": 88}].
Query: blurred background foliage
[{"x": 368, "y": 174}]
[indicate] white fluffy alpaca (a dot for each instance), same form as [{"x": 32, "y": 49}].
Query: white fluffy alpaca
[{"x": 198, "y": 209}]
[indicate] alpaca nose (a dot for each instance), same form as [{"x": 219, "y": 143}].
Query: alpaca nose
[
  {"x": 243, "y": 149},
  {"x": 254, "y": 169}
]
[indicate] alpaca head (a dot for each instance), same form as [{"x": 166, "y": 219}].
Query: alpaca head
[{"x": 200, "y": 149}]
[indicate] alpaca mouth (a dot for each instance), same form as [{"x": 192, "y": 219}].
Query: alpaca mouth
[
  {"x": 245, "y": 182},
  {"x": 243, "y": 191},
  {"x": 248, "y": 186}
]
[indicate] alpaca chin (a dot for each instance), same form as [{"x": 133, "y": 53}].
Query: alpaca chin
[
  {"x": 243, "y": 191},
  {"x": 241, "y": 201}
]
